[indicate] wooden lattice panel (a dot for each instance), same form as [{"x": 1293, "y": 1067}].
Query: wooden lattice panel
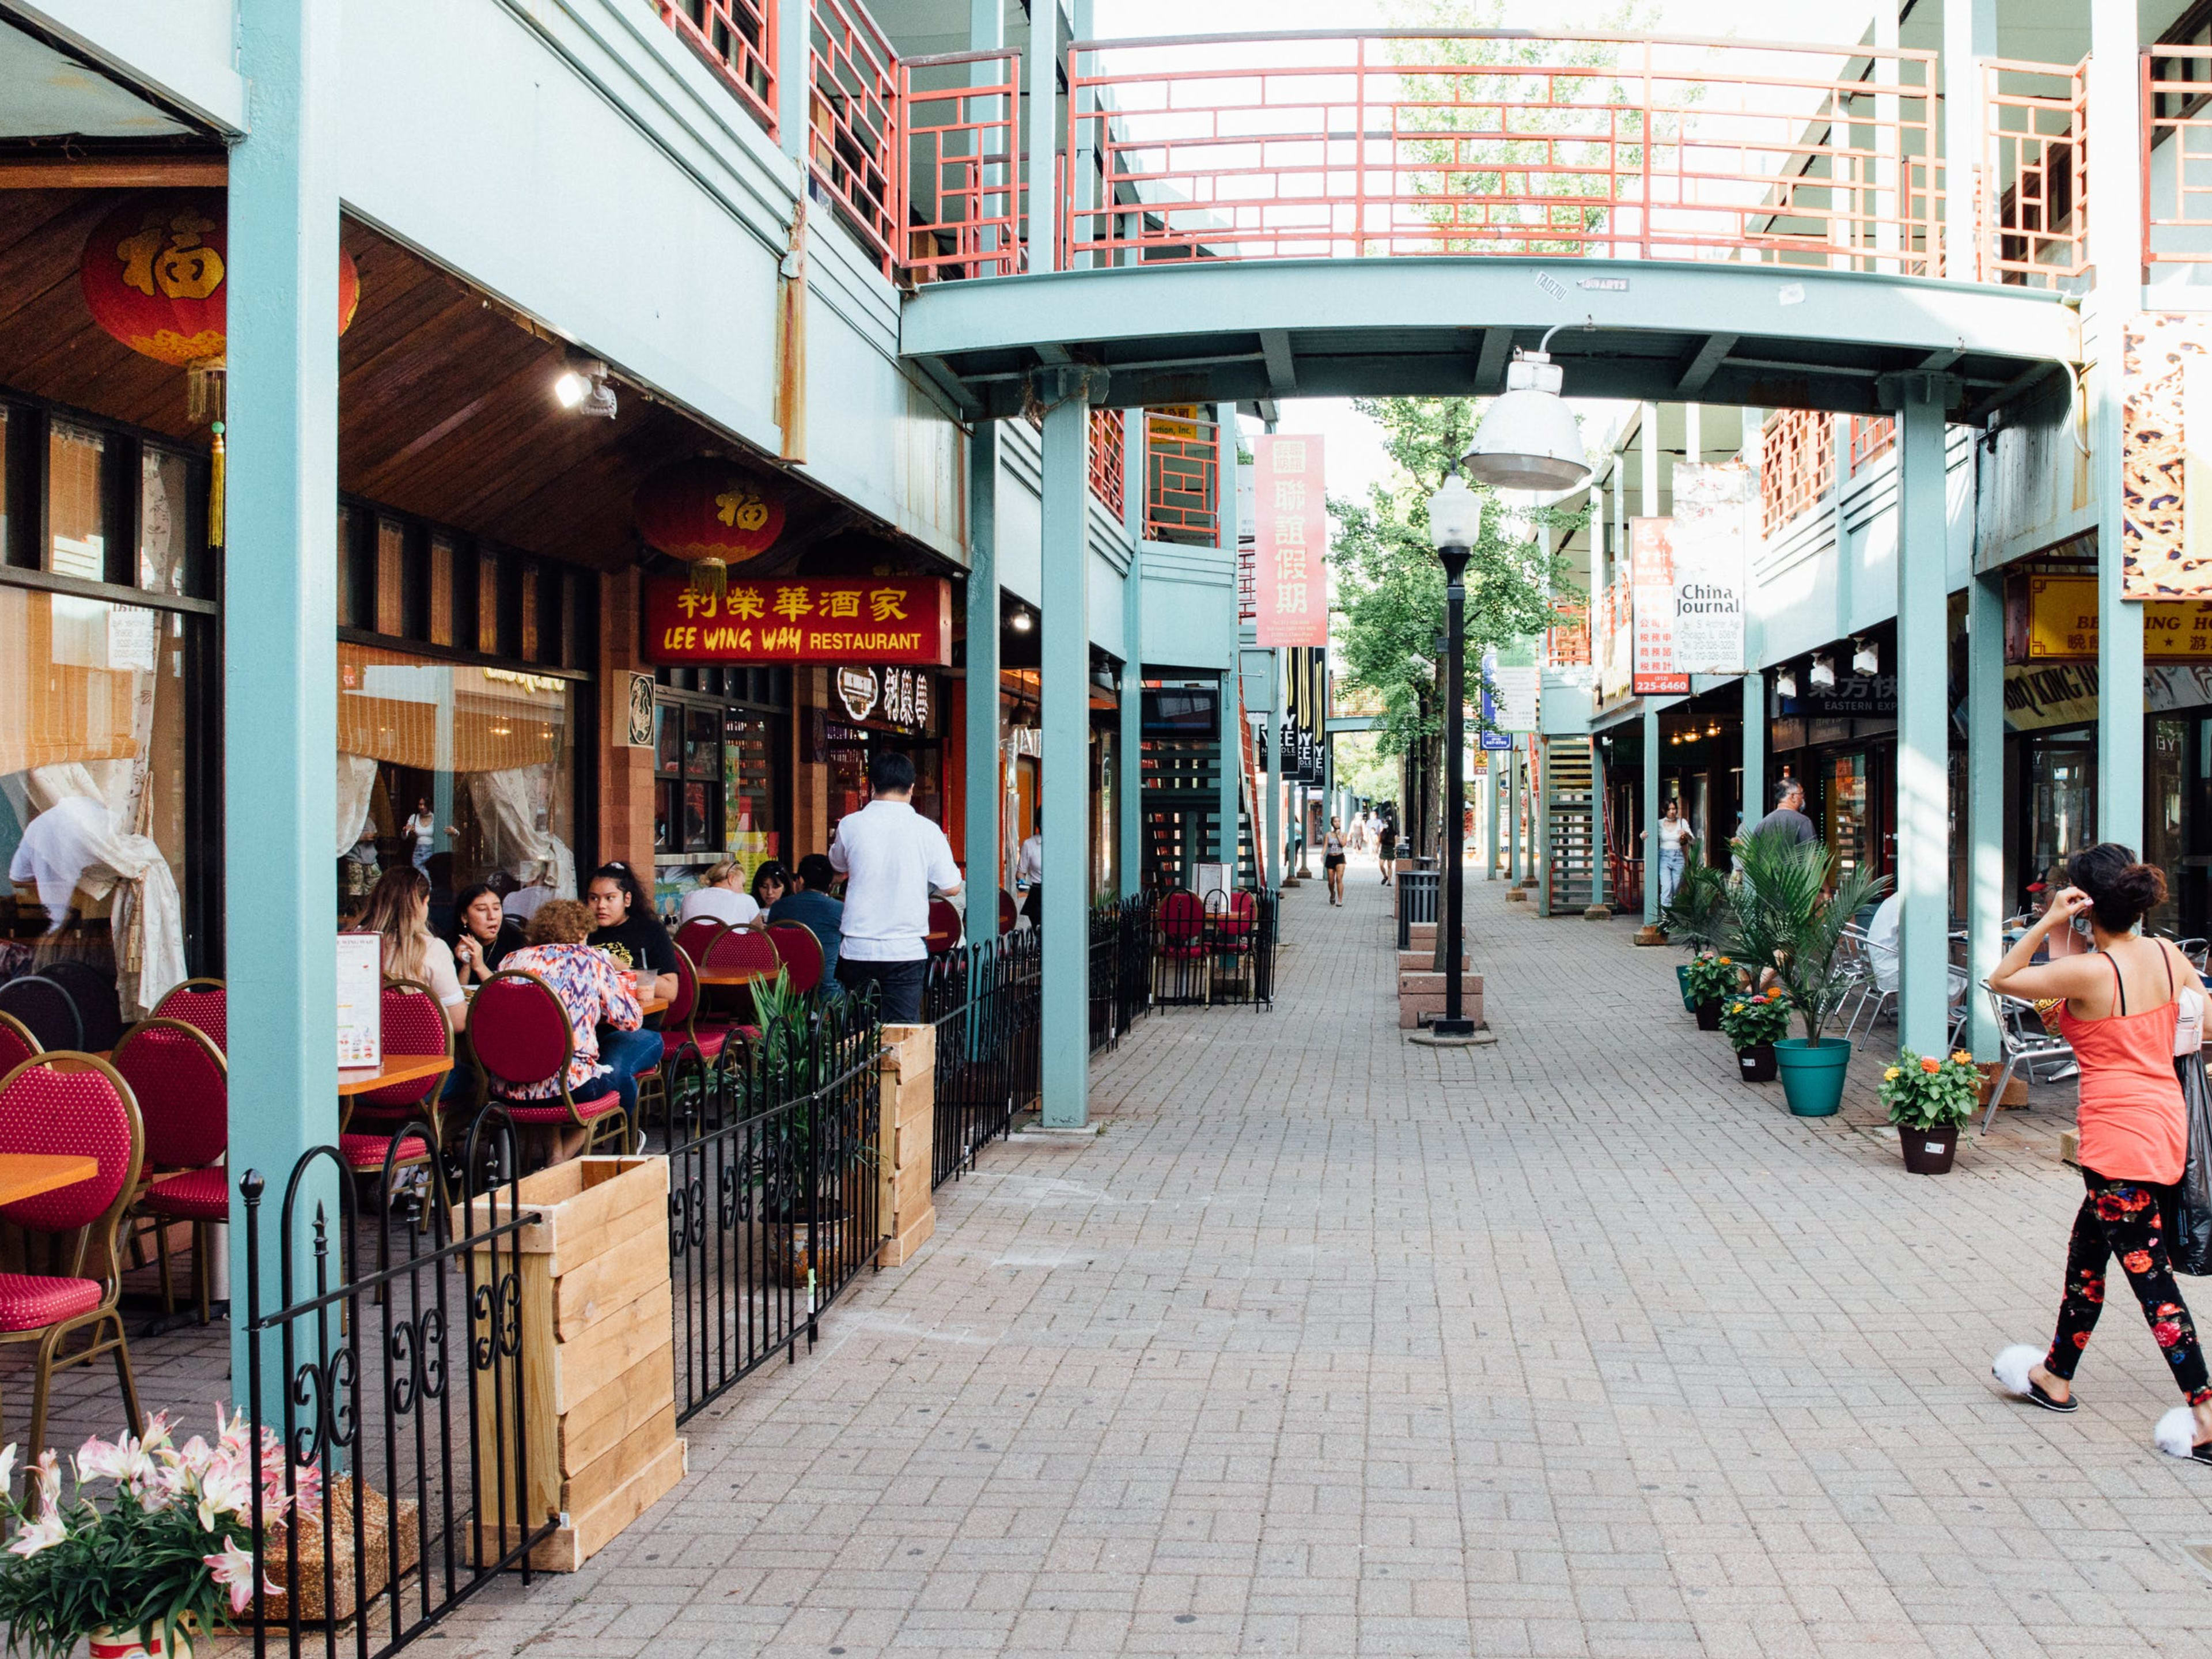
[{"x": 2163, "y": 352}]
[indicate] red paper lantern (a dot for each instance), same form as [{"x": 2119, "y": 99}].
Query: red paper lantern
[
  {"x": 154, "y": 273},
  {"x": 709, "y": 512}
]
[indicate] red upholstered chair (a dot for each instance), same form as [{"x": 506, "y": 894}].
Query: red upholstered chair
[
  {"x": 1179, "y": 929},
  {"x": 16, "y": 1043},
  {"x": 799, "y": 951},
  {"x": 1009, "y": 912},
  {"x": 1235, "y": 920},
  {"x": 518, "y": 1032},
  {"x": 944, "y": 927},
  {"x": 178, "y": 1079},
  {"x": 740, "y": 950},
  {"x": 70, "y": 1104},
  {"x": 413, "y": 1023},
  {"x": 680, "y": 1022},
  {"x": 694, "y": 936},
  {"x": 205, "y": 1003},
  {"x": 46, "y": 1009}
]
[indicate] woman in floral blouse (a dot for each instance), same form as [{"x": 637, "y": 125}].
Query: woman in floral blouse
[{"x": 591, "y": 989}]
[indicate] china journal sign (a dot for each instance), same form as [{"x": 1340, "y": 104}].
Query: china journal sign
[{"x": 903, "y": 620}]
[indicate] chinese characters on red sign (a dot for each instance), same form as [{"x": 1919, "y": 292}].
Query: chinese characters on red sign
[
  {"x": 1290, "y": 542},
  {"x": 894, "y": 620},
  {"x": 1651, "y": 577}
]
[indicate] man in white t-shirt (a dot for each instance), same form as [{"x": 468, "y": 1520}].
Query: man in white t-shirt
[
  {"x": 1029, "y": 872},
  {"x": 890, "y": 857}
]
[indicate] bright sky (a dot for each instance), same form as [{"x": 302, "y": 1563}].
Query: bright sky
[{"x": 1355, "y": 455}]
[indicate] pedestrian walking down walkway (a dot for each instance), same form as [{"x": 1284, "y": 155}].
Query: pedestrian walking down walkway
[
  {"x": 1573, "y": 1345},
  {"x": 1332, "y": 862}
]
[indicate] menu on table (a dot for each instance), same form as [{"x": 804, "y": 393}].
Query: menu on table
[{"x": 361, "y": 987}]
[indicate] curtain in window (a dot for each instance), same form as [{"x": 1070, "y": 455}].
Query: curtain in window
[{"x": 514, "y": 808}]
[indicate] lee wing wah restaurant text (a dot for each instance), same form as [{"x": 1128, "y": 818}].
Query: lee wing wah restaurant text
[{"x": 904, "y": 620}]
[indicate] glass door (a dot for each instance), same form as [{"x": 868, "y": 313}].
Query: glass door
[{"x": 2166, "y": 785}]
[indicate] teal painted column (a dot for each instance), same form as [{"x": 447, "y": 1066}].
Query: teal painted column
[
  {"x": 1492, "y": 852},
  {"x": 1970, "y": 34},
  {"x": 1131, "y": 771},
  {"x": 1224, "y": 490},
  {"x": 980, "y": 761},
  {"x": 1597, "y": 824},
  {"x": 1984, "y": 825},
  {"x": 280, "y": 622},
  {"x": 1651, "y": 812},
  {"x": 794, "y": 76},
  {"x": 1516, "y": 793},
  {"x": 1271, "y": 874},
  {"x": 1065, "y": 589},
  {"x": 1923, "y": 713},
  {"x": 1040, "y": 91},
  {"x": 2115, "y": 236}
]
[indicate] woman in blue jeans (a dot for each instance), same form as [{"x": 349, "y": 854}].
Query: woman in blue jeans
[
  {"x": 1673, "y": 841},
  {"x": 610, "y": 1050}
]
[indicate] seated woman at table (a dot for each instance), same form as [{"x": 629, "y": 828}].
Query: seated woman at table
[
  {"x": 721, "y": 898},
  {"x": 398, "y": 908},
  {"x": 483, "y": 933},
  {"x": 611, "y": 1048},
  {"x": 624, "y": 925}
]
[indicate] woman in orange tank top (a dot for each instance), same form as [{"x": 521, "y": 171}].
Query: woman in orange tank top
[{"x": 2118, "y": 1012}]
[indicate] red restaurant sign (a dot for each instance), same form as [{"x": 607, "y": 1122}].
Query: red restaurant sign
[
  {"x": 906, "y": 619},
  {"x": 1290, "y": 542}
]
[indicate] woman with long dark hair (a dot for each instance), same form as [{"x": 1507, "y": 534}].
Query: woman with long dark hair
[
  {"x": 483, "y": 933},
  {"x": 627, "y": 931},
  {"x": 2118, "y": 1008},
  {"x": 399, "y": 909}
]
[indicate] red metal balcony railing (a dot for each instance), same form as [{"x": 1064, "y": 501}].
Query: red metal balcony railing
[
  {"x": 2177, "y": 93},
  {"x": 738, "y": 39},
  {"x": 1567, "y": 641},
  {"x": 1872, "y": 437},
  {"x": 961, "y": 197},
  {"x": 1247, "y": 581},
  {"x": 1402, "y": 141},
  {"x": 1182, "y": 470},
  {"x": 852, "y": 123},
  {"x": 2035, "y": 197},
  {"x": 1106, "y": 441},
  {"x": 1797, "y": 464}
]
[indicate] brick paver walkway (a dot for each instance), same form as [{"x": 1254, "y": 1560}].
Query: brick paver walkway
[{"x": 1332, "y": 1345}]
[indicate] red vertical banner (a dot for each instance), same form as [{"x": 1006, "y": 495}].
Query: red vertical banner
[
  {"x": 1651, "y": 603},
  {"x": 1290, "y": 542}
]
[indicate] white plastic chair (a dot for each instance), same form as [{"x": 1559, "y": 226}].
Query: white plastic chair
[{"x": 2025, "y": 1045}]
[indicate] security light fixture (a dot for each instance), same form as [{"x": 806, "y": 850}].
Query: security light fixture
[
  {"x": 1785, "y": 682},
  {"x": 1866, "y": 657},
  {"x": 583, "y": 387},
  {"x": 1021, "y": 622},
  {"x": 1823, "y": 675},
  {"x": 1529, "y": 438}
]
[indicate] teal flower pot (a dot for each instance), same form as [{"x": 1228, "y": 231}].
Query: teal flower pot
[
  {"x": 1813, "y": 1078},
  {"x": 1682, "y": 979}
]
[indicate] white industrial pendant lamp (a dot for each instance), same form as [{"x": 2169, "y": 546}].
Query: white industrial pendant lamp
[{"x": 1529, "y": 438}]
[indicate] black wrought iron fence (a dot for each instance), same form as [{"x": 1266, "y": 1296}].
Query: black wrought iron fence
[
  {"x": 395, "y": 1326},
  {"x": 983, "y": 1000},
  {"x": 1121, "y": 981},
  {"x": 1215, "y": 950}
]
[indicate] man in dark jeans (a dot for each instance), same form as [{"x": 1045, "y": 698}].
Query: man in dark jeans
[{"x": 890, "y": 857}]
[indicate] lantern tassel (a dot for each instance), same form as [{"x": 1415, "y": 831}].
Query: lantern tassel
[
  {"x": 708, "y": 578},
  {"x": 214, "y": 491}
]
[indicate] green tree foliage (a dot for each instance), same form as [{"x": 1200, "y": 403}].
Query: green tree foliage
[{"x": 1390, "y": 586}]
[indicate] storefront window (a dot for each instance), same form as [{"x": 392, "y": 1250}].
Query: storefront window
[
  {"x": 1850, "y": 835},
  {"x": 164, "y": 492},
  {"x": 2164, "y": 841},
  {"x": 2062, "y": 784},
  {"x": 76, "y": 517},
  {"x": 92, "y": 728},
  {"x": 466, "y": 772},
  {"x": 716, "y": 791}
]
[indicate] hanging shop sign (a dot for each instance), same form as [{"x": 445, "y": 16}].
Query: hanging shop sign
[
  {"x": 1290, "y": 544},
  {"x": 1853, "y": 696},
  {"x": 2166, "y": 458},
  {"x": 888, "y": 699},
  {"x": 900, "y": 620},
  {"x": 1613, "y": 644},
  {"x": 2054, "y": 619},
  {"x": 1711, "y": 548},
  {"x": 1651, "y": 599}
]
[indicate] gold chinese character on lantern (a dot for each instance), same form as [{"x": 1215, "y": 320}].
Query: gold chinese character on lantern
[
  {"x": 175, "y": 261},
  {"x": 741, "y": 510},
  {"x": 887, "y": 604},
  {"x": 840, "y": 602},
  {"x": 793, "y": 601},
  {"x": 744, "y": 604}
]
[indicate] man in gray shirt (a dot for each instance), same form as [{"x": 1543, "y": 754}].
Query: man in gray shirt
[{"x": 1788, "y": 816}]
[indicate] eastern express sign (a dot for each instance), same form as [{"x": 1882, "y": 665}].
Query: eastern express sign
[{"x": 884, "y": 619}]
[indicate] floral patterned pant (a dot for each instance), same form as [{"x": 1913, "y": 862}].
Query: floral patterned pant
[{"x": 2122, "y": 1218}]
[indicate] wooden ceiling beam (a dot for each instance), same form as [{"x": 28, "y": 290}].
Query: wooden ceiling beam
[{"x": 113, "y": 171}]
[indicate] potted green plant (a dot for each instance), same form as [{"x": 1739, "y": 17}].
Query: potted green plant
[
  {"x": 1752, "y": 1024},
  {"x": 1712, "y": 979},
  {"x": 1788, "y": 907},
  {"x": 1928, "y": 1099},
  {"x": 168, "y": 1555},
  {"x": 1694, "y": 917}
]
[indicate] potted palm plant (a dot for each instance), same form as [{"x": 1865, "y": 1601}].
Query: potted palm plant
[
  {"x": 1694, "y": 917},
  {"x": 1928, "y": 1099},
  {"x": 1752, "y": 1024},
  {"x": 1788, "y": 907},
  {"x": 1708, "y": 982}
]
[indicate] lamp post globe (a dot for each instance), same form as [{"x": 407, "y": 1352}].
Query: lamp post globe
[{"x": 1455, "y": 527}]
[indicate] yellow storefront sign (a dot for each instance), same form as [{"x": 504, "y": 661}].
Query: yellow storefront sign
[{"x": 2062, "y": 623}]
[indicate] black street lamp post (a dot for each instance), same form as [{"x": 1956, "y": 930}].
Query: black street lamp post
[{"x": 1455, "y": 520}]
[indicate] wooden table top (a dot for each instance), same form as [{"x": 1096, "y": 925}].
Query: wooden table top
[
  {"x": 397, "y": 1068},
  {"x": 26, "y": 1174},
  {"x": 657, "y": 1003},
  {"x": 734, "y": 975}
]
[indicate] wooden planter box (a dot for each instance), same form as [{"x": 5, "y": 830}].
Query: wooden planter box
[
  {"x": 906, "y": 1143},
  {"x": 597, "y": 1352}
]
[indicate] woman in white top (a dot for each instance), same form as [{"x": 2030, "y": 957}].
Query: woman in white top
[
  {"x": 1673, "y": 839},
  {"x": 721, "y": 898},
  {"x": 399, "y": 910}
]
